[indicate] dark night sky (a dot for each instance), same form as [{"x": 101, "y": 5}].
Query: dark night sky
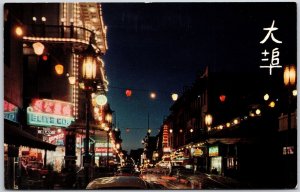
[{"x": 163, "y": 46}]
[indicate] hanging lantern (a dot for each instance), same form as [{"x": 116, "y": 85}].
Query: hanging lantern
[
  {"x": 128, "y": 93},
  {"x": 222, "y": 98},
  {"x": 266, "y": 97},
  {"x": 127, "y": 130},
  {"x": 289, "y": 75},
  {"x": 45, "y": 57},
  {"x": 59, "y": 69},
  {"x": 89, "y": 68},
  {"x": 272, "y": 104},
  {"x": 89, "y": 65},
  {"x": 72, "y": 80},
  {"x": 101, "y": 100},
  {"x": 174, "y": 96},
  {"x": 19, "y": 31},
  {"x": 208, "y": 120},
  {"x": 38, "y": 48},
  {"x": 152, "y": 95}
]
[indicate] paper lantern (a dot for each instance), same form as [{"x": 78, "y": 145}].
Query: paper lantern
[
  {"x": 152, "y": 95},
  {"x": 101, "y": 100},
  {"x": 128, "y": 93},
  {"x": 222, "y": 98},
  {"x": 59, "y": 69},
  {"x": 45, "y": 57},
  {"x": 174, "y": 96},
  {"x": 38, "y": 48},
  {"x": 19, "y": 31}
]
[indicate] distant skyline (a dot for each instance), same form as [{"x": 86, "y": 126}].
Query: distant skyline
[{"x": 162, "y": 47}]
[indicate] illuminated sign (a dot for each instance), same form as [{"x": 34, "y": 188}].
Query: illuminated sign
[
  {"x": 10, "y": 112},
  {"x": 165, "y": 135},
  {"x": 166, "y": 149},
  {"x": 44, "y": 112},
  {"x": 103, "y": 150},
  {"x": 213, "y": 151},
  {"x": 288, "y": 150},
  {"x": 102, "y": 145},
  {"x": 57, "y": 139},
  {"x": 198, "y": 152}
]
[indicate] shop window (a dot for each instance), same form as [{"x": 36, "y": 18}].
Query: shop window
[{"x": 232, "y": 163}]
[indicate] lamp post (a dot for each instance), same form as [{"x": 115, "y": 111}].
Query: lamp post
[
  {"x": 88, "y": 76},
  {"x": 208, "y": 122},
  {"x": 289, "y": 79},
  {"x": 108, "y": 119}
]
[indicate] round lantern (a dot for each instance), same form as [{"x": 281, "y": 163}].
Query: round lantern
[
  {"x": 128, "y": 93},
  {"x": 19, "y": 31},
  {"x": 45, "y": 57},
  {"x": 38, "y": 48},
  {"x": 222, "y": 98},
  {"x": 174, "y": 96},
  {"x": 101, "y": 100},
  {"x": 152, "y": 95},
  {"x": 127, "y": 130},
  {"x": 59, "y": 69}
]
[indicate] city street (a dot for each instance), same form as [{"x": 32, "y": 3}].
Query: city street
[
  {"x": 145, "y": 96},
  {"x": 190, "y": 181}
]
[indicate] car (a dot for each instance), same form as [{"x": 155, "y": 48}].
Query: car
[
  {"x": 122, "y": 182},
  {"x": 127, "y": 171}
]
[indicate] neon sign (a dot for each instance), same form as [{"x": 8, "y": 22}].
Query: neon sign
[
  {"x": 44, "y": 112},
  {"x": 165, "y": 135},
  {"x": 10, "y": 112},
  {"x": 213, "y": 151}
]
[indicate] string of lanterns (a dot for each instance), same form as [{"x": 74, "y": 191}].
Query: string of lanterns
[{"x": 152, "y": 94}]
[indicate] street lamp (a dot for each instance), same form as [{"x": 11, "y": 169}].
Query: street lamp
[
  {"x": 208, "y": 122},
  {"x": 88, "y": 77},
  {"x": 289, "y": 79},
  {"x": 108, "y": 119}
]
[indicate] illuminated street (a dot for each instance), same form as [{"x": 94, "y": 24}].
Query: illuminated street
[{"x": 150, "y": 95}]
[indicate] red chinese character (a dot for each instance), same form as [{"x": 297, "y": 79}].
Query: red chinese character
[
  {"x": 57, "y": 108},
  {"x": 67, "y": 110},
  {"x": 37, "y": 105},
  {"x": 48, "y": 107}
]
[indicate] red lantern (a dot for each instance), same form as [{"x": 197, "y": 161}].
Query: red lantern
[
  {"x": 128, "y": 92},
  {"x": 45, "y": 57},
  {"x": 222, "y": 98}
]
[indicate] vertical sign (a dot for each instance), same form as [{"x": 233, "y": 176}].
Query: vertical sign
[{"x": 165, "y": 136}]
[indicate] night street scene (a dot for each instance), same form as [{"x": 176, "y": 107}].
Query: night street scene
[{"x": 161, "y": 95}]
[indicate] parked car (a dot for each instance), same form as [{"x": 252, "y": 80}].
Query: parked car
[{"x": 122, "y": 182}]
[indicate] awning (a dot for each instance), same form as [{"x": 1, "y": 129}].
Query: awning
[{"x": 14, "y": 135}]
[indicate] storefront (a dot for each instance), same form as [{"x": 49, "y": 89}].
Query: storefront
[
  {"x": 15, "y": 139},
  {"x": 215, "y": 160}
]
